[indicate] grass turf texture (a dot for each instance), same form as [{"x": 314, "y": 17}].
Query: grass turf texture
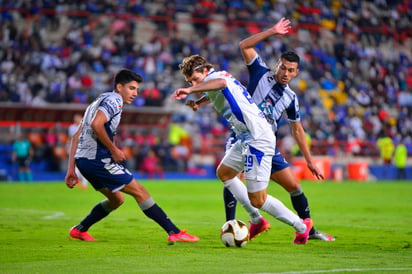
[{"x": 371, "y": 222}]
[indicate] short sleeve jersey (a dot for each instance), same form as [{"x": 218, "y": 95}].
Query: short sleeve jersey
[
  {"x": 111, "y": 104},
  {"x": 22, "y": 148},
  {"x": 236, "y": 105},
  {"x": 271, "y": 97}
]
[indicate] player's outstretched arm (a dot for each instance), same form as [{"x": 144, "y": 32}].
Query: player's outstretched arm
[
  {"x": 211, "y": 85},
  {"x": 71, "y": 177},
  {"x": 300, "y": 137},
  {"x": 247, "y": 45},
  {"x": 195, "y": 105}
]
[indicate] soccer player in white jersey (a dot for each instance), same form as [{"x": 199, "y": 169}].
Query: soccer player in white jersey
[
  {"x": 273, "y": 95},
  {"x": 253, "y": 151},
  {"x": 93, "y": 151}
]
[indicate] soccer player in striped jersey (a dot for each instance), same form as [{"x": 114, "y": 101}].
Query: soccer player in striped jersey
[
  {"x": 273, "y": 95},
  {"x": 99, "y": 160},
  {"x": 253, "y": 151}
]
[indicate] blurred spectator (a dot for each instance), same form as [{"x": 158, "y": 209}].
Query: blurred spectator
[
  {"x": 152, "y": 95},
  {"x": 151, "y": 165},
  {"x": 180, "y": 140},
  {"x": 386, "y": 148},
  {"x": 400, "y": 159},
  {"x": 22, "y": 155},
  {"x": 163, "y": 150}
]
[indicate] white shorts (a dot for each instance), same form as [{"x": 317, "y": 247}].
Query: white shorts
[{"x": 255, "y": 162}]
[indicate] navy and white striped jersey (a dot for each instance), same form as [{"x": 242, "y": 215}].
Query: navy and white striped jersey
[
  {"x": 111, "y": 103},
  {"x": 235, "y": 104},
  {"x": 272, "y": 98}
]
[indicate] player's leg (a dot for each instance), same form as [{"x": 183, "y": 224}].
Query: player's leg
[
  {"x": 98, "y": 212},
  {"x": 257, "y": 175},
  {"x": 287, "y": 180},
  {"x": 283, "y": 175},
  {"x": 230, "y": 204},
  {"x": 101, "y": 177},
  {"x": 154, "y": 212},
  {"x": 229, "y": 199},
  {"x": 227, "y": 171}
]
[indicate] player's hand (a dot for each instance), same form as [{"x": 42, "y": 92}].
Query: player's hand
[
  {"x": 71, "y": 179},
  {"x": 181, "y": 93},
  {"x": 316, "y": 172},
  {"x": 192, "y": 104},
  {"x": 282, "y": 27},
  {"x": 118, "y": 155}
]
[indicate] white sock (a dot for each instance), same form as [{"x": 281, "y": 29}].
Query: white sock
[
  {"x": 278, "y": 210},
  {"x": 239, "y": 190}
]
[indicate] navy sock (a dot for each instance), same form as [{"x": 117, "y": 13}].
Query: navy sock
[
  {"x": 230, "y": 204},
  {"x": 157, "y": 214},
  {"x": 300, "y": 203},
  {"x": 98, "y": 212}
]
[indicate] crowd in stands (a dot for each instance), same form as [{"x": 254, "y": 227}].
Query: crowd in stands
[{"x": 355, "y": 78}]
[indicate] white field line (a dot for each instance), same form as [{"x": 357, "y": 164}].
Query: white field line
[
  {"x": 337, "y": 270},
  {"x": 47, "y": 215}
]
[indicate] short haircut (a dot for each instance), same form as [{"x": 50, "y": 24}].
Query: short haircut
[
  {"x": 193, "y": 63},
  {"x": 125, "y": 76},
  {"x": 290, "y": 56}
]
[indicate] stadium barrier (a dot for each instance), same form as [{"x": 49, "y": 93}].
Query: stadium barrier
[{"x": 358, "y": 171}]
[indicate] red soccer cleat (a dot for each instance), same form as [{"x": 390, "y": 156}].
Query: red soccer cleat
[
  {"x": 84, "y": 236},
  {"x": 182, "y": 236},
  {"x": 256, "y": 229},
  {"x": 302, "y": 238}
]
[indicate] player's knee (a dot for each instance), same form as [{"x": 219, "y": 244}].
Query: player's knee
[
  {"x": 292, "y": 187},
  {"x": 116, "y": 203},
  {"x": 258, "y": 203},
  {"x": 225, "y": 173},
  {"x": 257, "y": 199}
]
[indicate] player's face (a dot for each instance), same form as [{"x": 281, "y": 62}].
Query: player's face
[
  {"x": 286, "y": 71},
  {"x": 196, "y": 77},
  {"x": 128, "y": 91}
]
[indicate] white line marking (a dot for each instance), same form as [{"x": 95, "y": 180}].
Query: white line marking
[
  {"x": 341, "y": 270},
  {"x": 49, "y": 215},
  {"x": 55, "y": 215}
]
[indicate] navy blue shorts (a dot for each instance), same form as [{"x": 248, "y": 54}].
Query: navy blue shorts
[
  {"x": 278, "y": 162},
  {"x": 104, "y": 173}
]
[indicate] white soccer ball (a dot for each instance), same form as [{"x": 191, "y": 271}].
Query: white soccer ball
[{"x": 234, "y": 233}]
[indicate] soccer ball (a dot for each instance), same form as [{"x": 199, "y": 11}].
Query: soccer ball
[{"x": 234, "y": 233}]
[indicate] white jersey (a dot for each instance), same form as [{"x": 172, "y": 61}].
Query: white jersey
[
  {"x": 236, "y": 105},
  {"x": 111, "y": 104},
  {"x": 271, "y": 97},
  {"x": 256, "y": 142}
]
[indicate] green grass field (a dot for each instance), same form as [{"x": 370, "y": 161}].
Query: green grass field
[{"x": 371, "y": 222}]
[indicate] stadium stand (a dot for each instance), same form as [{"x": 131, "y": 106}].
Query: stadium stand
[{"x": 355, "y": 80}]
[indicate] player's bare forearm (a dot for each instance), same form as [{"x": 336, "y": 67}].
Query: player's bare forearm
[
  {"x": 211, "y": 85},
  {"x": 74, "y": 142},
  {"x": 203, "y": 101},
  {"x": 98, "y": 128},
  {"x": 247, "y": 45}
]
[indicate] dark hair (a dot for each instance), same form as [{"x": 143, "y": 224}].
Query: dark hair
[
  {"x": 193, "y": 63},
  {"x": 290, "y": 56},
  {"x": 125, "y": 76}
]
